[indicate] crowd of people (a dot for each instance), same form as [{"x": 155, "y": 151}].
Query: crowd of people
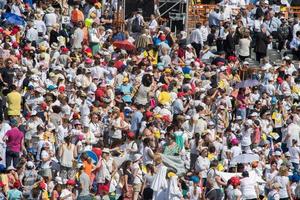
[{"x": 94, "y": 109}]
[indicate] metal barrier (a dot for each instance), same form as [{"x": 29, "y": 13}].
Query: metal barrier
[{"x": 199, "y": 12}]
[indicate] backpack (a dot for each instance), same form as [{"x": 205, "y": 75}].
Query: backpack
[{"x": 136, "y": 27}]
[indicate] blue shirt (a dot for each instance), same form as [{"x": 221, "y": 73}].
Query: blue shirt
[
  {"x": 295, "y": 43},
  {"x": 136, "y": 121}
]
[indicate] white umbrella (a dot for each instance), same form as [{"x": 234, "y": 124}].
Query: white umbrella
[{"x": 245, "y": 158}]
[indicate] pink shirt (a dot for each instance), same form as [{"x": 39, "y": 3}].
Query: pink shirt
[{"x": 14, "y": 139}]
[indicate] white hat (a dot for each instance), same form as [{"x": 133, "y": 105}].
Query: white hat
[
  {"x": 187, "y": 117},
  {"x": 286, "y": 58},
  {"x": 248, "y": 122},
  {"x": 11, "y": 168},
  {"x": 287, "y": 154},
  {"x": 33, "y": 113},
  {"x": 211, "y": 123},
  {"x": 254, "y": 114},
  {"x": 30, "y": 164},
  {"x": 106, "y": 150},
  {"x": 245, "y": 63},
  {"x": 50, "y": 127},
  {"x": 277, "y": 153},
  {"x": 238, "y": 117},
  {"x": 189, "y": 46},
  {"x": 59, "y": 180}
]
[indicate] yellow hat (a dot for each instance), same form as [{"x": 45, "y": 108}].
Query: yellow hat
[
  {"x": 98, "y": 5},
  {"x": 220, "y": 167},
  {"x": 168, "y": 70},
  {"x": 125, "y": 79},
  {"x": 157, "y": 134},
  {"x": 171, "y": 174},
  {"x": 93, "y": 15}
]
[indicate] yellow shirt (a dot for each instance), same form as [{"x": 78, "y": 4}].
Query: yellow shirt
[
  {"x": 164, "y": 98},
  {"x": 152, "y": 56},
  {"x": 14, "y": 100}
]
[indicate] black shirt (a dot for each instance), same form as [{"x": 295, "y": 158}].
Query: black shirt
[{"x": 7, "y": 75}]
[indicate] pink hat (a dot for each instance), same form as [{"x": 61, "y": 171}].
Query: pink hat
[
  {"x": 88, "y": 61},
  {"x": 234, "y": 141}
]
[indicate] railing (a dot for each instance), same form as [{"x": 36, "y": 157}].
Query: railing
[{"x": 199, "y": 12}]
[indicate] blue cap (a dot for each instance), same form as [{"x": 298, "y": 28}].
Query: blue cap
[
  {"x": 51, "y": 87},
  {"x": 195, "y": 179}
]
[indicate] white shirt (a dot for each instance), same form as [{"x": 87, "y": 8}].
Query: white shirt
[
  {"x": 293, "y": 131},
  {"x": 296, "y": 28},
  {"x": 40, "y": 26},
  {"x": 45, "y": 165},
  {"x": 204, "y": 32},
  {"x": 202, "y": 166},
  {"x": 50, "y": 19},
  {"x": 294, "y": 151},
  {"x": 77, "y": 38},
  {"x": 32, "y": 34},
  {"x": 153, "y": 25},
  {"x": 246, "y": 139},
  {"x": 236, "y": 150},
  {"x": 283, "y": 181},
  {"x": 196, "y": 37},
  {"x": 248, "y": 188}
]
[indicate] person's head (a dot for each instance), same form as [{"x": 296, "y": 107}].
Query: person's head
[
  {"x": 147, "y": 142},
  {"x": 214, "y": 164},
  {"x": 198, "y": 25},
  {"x": 70, "y": 184},
  {"x": 8, "y": 62},
  {"x": 105, "y": 153},
  {"x": 273, "y": 165},
  {"x": 157, "y": 159},
  {"x": 283, "y": 171},
  {"x": 12, "y": 87},
  {"x": 298, "y": 34},
  {"x": 127, "y": 165},
  {"x": 245, "y": 174},
  {"x": 204, "y": 152}
]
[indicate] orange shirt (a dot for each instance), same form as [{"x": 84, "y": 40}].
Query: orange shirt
[{"x": 87, "y": 168}]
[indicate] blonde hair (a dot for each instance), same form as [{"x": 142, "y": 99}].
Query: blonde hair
[{"x": 283, "y": 171}]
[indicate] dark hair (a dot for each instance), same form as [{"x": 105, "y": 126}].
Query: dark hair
[
  {"x": 126, "y": 165},
  {"x": 12, "y": 87},
  {"x": 213, "y": 163},
  {"x": 198, "y": 25},
  {"x": 245, "y": 174},
  {"x": 147, "y": 141},
  {"x": 298, "y": 33}
]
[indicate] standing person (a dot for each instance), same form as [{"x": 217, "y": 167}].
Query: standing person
[
  {"x": 261, "y": 44},
  {"x": 84, "y": 181},
  {"x": 249, "y": 187},
  {"x": 4, "y": 127},
  {"x": 50, "y": 18},
  {"x": 77, "y": 37},
  {"x": 14, "y": 140},
  {"x": 283, "y": 179},
  {"x": 196, "y": 39},
  {"x": 137, "y": 119},
  {"x": 244, "y": 46},
  {"x": 214, "y": 182},
  {"x": 67, "y": 155},
  {"x": 14, "y": 100},
  {"x": 229, "y": 45}
]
